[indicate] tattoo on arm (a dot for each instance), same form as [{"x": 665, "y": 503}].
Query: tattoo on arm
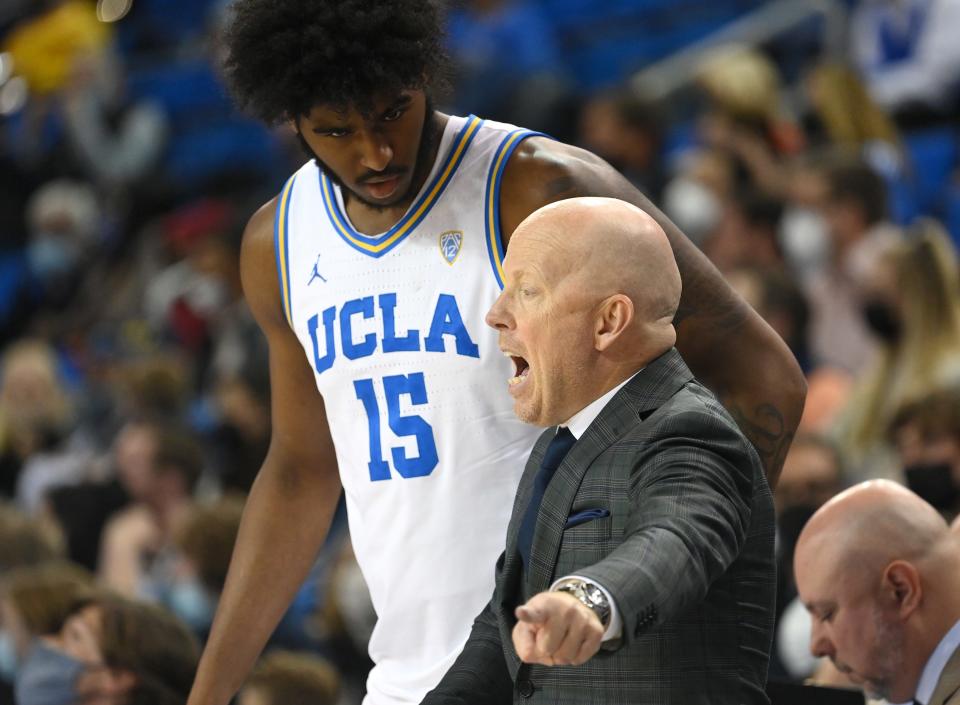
[{"x": 767, "y": 431}]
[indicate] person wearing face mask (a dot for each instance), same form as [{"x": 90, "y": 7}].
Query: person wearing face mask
[
  {"x": 34, "y": 601},
  {"x": 926, "y": 434},
  {"x": 911, "y": 304},
  {"x": 203, "y": 544},
  {"x": 110, "y": 651},
  {"x": 854, "y": 209}
]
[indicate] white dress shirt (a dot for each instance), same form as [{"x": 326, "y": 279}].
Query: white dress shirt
[{"x": 578, "y": 425}]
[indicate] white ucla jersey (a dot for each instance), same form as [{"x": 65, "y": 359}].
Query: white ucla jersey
[{"x": 415, "y": 387}]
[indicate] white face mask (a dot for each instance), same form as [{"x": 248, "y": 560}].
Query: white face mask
[
  {"x": 804, "y": 238},
  {"x": 693, "y": 207}
]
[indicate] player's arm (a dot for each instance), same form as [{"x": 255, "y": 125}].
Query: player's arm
[
  {"x": 724, "y": 341},
  {"x": 292, "y": 501}
]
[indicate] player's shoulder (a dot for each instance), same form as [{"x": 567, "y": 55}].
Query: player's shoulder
[
  {"x": 258, "y": 271},
  {"x": 542, "y": 171},
  {"x": 258, "y": 234},
  {"x": 540, "y": 152}
]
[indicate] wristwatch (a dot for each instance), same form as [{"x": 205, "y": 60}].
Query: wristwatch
[{"x": 589, "y": 594}]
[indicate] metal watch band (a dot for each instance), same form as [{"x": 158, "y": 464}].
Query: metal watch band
[{"x": 590, "y": 595}]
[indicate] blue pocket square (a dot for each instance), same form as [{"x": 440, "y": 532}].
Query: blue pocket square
[{"x": 585, "y": 516}]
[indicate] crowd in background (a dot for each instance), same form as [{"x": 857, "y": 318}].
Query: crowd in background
[{"x": 134, "y": 396}]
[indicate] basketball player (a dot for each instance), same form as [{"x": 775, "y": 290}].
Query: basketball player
[{"x": 370, "y": 274}]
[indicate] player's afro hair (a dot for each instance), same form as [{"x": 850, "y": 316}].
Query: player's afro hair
[{"x": 286, "y": 56}]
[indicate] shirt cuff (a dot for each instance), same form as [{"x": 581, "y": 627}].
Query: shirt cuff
[{"x": 615, "y": 627}]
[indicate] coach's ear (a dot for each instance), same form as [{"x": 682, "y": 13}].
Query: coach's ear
[{"x": 613, "y": 317}]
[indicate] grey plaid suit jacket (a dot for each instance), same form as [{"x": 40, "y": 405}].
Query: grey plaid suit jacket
[{"x": 686, "y": 552}]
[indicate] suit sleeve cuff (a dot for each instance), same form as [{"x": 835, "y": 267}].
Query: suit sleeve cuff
[{"x": 615, "y": 628}]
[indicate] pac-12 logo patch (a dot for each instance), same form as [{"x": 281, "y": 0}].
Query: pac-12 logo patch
[{"x": 450, "y": 243}]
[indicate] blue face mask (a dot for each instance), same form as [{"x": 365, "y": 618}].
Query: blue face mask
[
  {"x": 192, "y": 603},
  {"x": 8, "y": 657},
  {"x": 51, "y": 257},
  {"x": 47, "y": 677}
]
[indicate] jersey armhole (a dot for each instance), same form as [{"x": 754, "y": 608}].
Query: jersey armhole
[
  {"x": 281, "y": 246},
  {"x": 491, "y": 201}
]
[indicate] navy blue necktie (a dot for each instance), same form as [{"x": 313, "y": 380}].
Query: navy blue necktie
[{"x": 556, "y": 452}]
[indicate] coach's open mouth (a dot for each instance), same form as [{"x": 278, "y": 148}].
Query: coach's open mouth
[{"x": 520, "y": 368}]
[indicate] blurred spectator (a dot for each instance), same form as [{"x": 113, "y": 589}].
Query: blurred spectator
[
  {"x": 747, "y": 234},
  {"x": 926, "y": 434},
  {"x": 39, "y": 446},
  {"x": 186, "y": 297},
  {"x": 34, "y": 404},
  {"x": 803, "y": 233},
  {"x": 81, "y": 512},
  {"x": 828, "y": 392},
  {"x": 812, "y": 474},
  {"x": 116, "y": 139},
  {"x": 855, "y": 211},
  {"x": 696, "y": 195},
  {"x": 842, "y": 115},
  {"x": 26, "y": 540},
  {"x": 155, "y": 384},
  {"x": 242, "y": 436},
  {"x": 65, "y": 222},
  {"x": 912, "y": 305},
  {"x": 842, "y": 112},
  {"x": 743, "y": 115},
  {"x": 626, "y": 129},
  {"x": 289, "y": 678},
  {"x": 780, "y": 301},
  {"x": 204, "y": 542},
  {"x": 136, "y": 552},
  {"x": 909, "y": 55},
  {"x": 44, "y": 47},
  {"x": 111, "y": 650},
  {"x": 35, "y": 601}
]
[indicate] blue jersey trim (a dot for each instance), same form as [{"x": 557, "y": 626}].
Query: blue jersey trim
[
  {"x": 281, "y": 245},
  {"x": 491, "y": 203}
]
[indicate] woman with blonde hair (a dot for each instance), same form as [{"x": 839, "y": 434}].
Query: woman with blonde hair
[
  {"x": 34, "y": 405},
  {"x": 912, "y": 306}
]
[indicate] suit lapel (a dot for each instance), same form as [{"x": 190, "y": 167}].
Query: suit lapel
[
  {"x": 646, "y": 392},
  {"x": 949, "y": 682}
]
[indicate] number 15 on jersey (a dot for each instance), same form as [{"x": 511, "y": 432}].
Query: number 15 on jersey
[{"x": 394, "y": 387}]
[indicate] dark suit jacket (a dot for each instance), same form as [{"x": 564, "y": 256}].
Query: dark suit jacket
[{"x": 686, "y": 552}]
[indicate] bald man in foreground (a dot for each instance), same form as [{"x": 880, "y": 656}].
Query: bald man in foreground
[
  {"x": 639, "y": 560},
  {"x": 879, "y": 570}
]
